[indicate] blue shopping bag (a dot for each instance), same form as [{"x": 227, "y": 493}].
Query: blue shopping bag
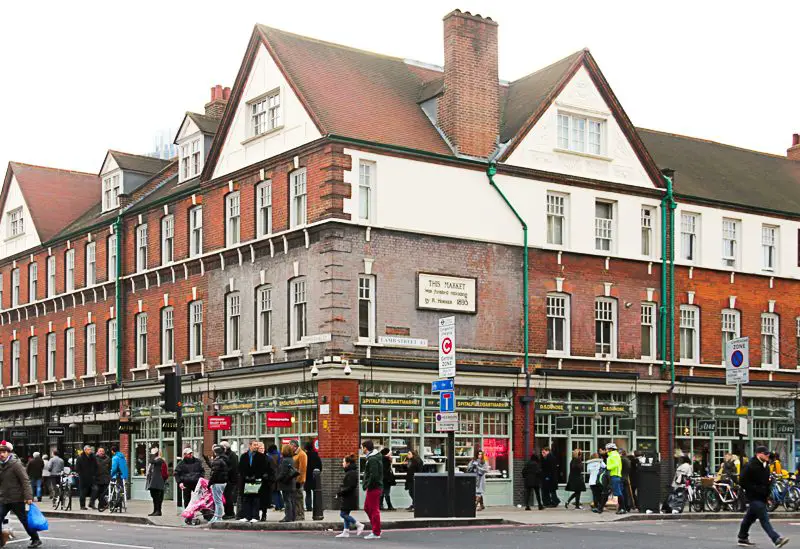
[{"x": 36, "y": 520}]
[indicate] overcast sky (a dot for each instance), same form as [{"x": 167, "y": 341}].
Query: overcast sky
[{"x": 78, "y": 78}]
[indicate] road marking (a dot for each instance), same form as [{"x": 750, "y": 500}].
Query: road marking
[{"x": 100, "y": 543}]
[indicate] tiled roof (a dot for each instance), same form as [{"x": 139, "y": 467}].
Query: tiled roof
[
  {"x": 138, "y": 163},
  {"x": 55, "y": 197},
  {"x": 713, "y": 171},
  {"x": 206, "y": 124}
]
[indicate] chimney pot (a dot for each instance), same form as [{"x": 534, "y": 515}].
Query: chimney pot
[
  {"x": 795, "y": 139},
  {"x": 219, "y": 99},
  {"x": 226, "y": 93}
]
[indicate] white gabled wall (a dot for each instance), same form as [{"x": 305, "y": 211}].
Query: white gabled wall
[
  {"x": 30, "y": 238},
  {"x": 539, "y": 149},
  {"x": 238, "y": 149}
]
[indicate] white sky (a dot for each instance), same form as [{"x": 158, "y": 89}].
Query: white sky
[{"x": 76, "y": 81}]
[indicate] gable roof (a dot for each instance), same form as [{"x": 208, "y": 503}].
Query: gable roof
[
  {"x": 137, "y": 163},
  {"x": 206, "y": 124},
  {"x": 42, "y": 188},
  {"x": 724, "y": 173}
]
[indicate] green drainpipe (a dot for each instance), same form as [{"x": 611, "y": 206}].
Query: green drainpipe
[
  {"x": 491, "y": 171},
  {"x": 668, "y": 316},
  {"x": 118, "y": 295}
]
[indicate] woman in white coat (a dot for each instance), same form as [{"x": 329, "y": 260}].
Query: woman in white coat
[{"x": 479, "y": 467}]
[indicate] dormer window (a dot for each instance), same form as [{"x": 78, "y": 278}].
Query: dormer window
[
  {"x": 265, "y": 113},
  {"x": 191, "y": 162},
  {"x": 16, "y": 223},
  {"x": 111, "y": 187}
]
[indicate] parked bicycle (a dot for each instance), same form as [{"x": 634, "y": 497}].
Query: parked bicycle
[
  {"x": 62, "y": 499},
  {"x": 723, "y": 494},
  {"x": 117, "y": 496},
  {"x": 783, "y": 492}
]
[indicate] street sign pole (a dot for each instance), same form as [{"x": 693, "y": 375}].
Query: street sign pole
[
  {"x": 737, "y": 371},
  {"x": 447, "y": 369}
]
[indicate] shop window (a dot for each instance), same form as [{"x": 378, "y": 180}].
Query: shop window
[
  {"x": 558, "y": 324},
  {"x": 298, "y": 321},
  {"x": 366, "y": 308},
  {"x": 33, "y": 358},
  {"x": 648, "y": 330},
  {"x": 731, "y": 326},
  {"x": 582, "y": 425},
  {"x": 683, "y": 426},
  {"x": 232, "y": 218},
  {"x": 645, "y": 415},
  {"x": 375, "y": 421},
  {"x": 605, "y": 316},
  {"x": 769, "y": 341},
  {"x": 111, "y": 342},
  {"x": 404, "y": 422},
  {"x": 761, "y": 428},
  {"x": 91, "y": 346},
  {"x": 541, "y": 424},
  {"x": 141, "y": 340},
  {"x": 232, "y": 323},
  {"x": 167, "y": 336},
  {"x": 690, "y": 333},
  {"x": 196, "y": 329}
]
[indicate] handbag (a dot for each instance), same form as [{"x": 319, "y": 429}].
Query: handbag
[
  {"x": 36, "y": 520},
  {"x": 252, "y": 488}
]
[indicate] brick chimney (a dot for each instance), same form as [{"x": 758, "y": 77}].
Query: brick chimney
[
  {"x": 469, "y": 109},
  {"x": 793, "y": 152},
  {"x": 219, "y": 99}
]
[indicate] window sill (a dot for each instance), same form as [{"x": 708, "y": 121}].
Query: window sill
[
  {"x": 296, "y": 347},
  {"x": 49, "y": 381},
  {"x": 584, "y": 154},
  {"x": 231, "y": 356},
  {"x": 269, "y": 349},
  {"x": 107, "y": 374},
  {"x": 192, "y": 361},
  {"x": 71, "y": 378},
  {"x": 89, "y": 376},
  {"x": 605, "y": 357},
  {"x": 164, "y": 366},
  {"x": 262, "y": 135},
  {"x": 142, "y": 368},
  {"x": 557, "y": 354},
  {"x": 368, "y": 343},
  {"x": 15, "y": 237},
  {"x": 15, "y": 386},
  {"x": 32, "y": 384}
]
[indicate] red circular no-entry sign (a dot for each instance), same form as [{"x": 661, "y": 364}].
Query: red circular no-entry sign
[{"x": 447, "y": 345}]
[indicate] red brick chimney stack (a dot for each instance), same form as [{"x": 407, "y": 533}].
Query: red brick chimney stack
[
  {"x": 219, "y": 98},
  {"x": 469, "y": 109},
  {"x": 793, "y": 152}
]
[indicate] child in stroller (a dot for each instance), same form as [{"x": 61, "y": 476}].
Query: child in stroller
[{"x": 202, "y": 503}]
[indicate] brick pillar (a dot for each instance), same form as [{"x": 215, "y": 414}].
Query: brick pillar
[
  {"x": 208, "y": 435},
  {"x": 518, "y": 443},
  {"x": 339, "y": 435},
  {"x": 663, "y": 427}
]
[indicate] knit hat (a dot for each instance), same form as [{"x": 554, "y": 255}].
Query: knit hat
[
  {"x": 5, "y": 446},
  {"x": 219, "y": 450},
  {"x": 762, "y": 450}
]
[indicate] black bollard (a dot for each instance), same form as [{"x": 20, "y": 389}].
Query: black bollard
[{"x": 318, "y": 504}]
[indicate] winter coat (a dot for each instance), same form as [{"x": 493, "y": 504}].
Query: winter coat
[
  {"x": 388, "y": 473},
  {"x": 593, "y": 467},
  {"x": 189, "y": 472},
  {"x": 119, "y": 466},
  {"x": 348, "y": 491},
  {"x": 275, "y": 459},
  {"x": 415, "y": 466},
  {"x": 314, "y": 462},
  {"x": 532, "y": 473},
  {"x": 287, "y": 476},
  {"x": 219, "y": 470},
  {"x": 86, "y": 467},
  {"x": 15, "y": 486},
  {"x": 35, "y": 468},
  {"x": 755, "y": 480},
  {"x": 301, "y": 464},
  {"x": 103, "y": 470},
  {"x": 479, "y": 468},
  {"x": 56, "y": 466},
  {"x": 250, "y": 473},
  {"x": 683, "y": 472},
  {"x": 614, "y": 464},
  {"x": 550, "y": 468},
  {"x": 233, "y": 466},
  {"x": 626, "y": 467},
  {"x": 157, "y": 475},
  {"x": 575, "y": 481},
  {"x": 373, "y": 471},
  {"x": 267, "y": 481}
]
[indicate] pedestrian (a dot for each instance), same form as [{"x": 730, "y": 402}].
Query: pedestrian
[
  {"x": 101, "y": 482},
  {"x": 15, "y": 491},
  {"x": 252, "y": 467},
  {"x": 45, "y": 476},
  {"x": 627, "y": 495},
  {"x": 348, "y": 497},
  {"x": 532, "y": 475},
  {"x": 267, "y": 482},
  {"x": 755, "y": 479},
  {"x": 301, "y": 465},
  {"x": 596, "y": 469},
  {"x": 35, "y": 469},
  {"x": 373, "y": 485},
  {"x": 549, "y": 478},
  {"x": 314, "y": 463},
  {"x": 156, "y": 480},
  {"x": 633, "y": 478},
  {"x": 187, "y": 474},
  {"x": 575, "y": 483},
  {"x": 287, "y": 482},
  {"x": 388, "y": 480},
  {"x": 86, "y": 467},
  {"x": 414, "y": 465},
  {"x": 218, "y": 481},
  {"x": 55, "y": 466},
  {"x": 232, "y": 488},
  {"x": 479, "y": 468},
  {"x": 277, "y": 499},
  {"x": 614, "y": 465}
]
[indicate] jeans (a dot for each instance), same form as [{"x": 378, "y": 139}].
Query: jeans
[
  {"x": 19, "y": 510},
  {"x": 372, "y": 506},
  {"x": 348, "y": 520},
  {"x": 309, "y": 497},
  {"x": 616, "y": 489},
  {"x": 289, "y": 501},
  {"x": 217, "y": 491},
  {"x": 52, "y": 483},
  {"x": 36, "y": 488},
  {"x": 533, "y": 490},
  {"x": 757, "y": 511}
]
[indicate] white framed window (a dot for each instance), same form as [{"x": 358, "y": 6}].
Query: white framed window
[
  {"x": 581, "y": 134},
  {"x": 605, "y": 322},
  {"x": 367, "y": 322},
  {"x": 190, "y": 154},
  {"x": 15, "y": 363},
  {"x": 265, "y": 113},
  {"x": 167, "y": 336},
  {"x": 69, "y": 336},
  {"x": 111, "y": 255},
  {"x": 690, "y": 227},
  {"x": 556, "y": 218},
  {"x": 264, "y": 317},
  {"x": 299, "y": 310},
  {"x": 690, "y": 333},
  {"x": 730, "y": 241},
  {"x": 195, "y": 231},
  {"x": 196, "y": 329},
  {"x": 196, "y": 153},
  {"x": 15, "y": 289},
  {"x": 167, "y": 239},
  {"x": 69, "y": 270},
  {"x": 51, "y": 356},
  {"x": 233, "y": 312},
  {"x": 648, "y": 234},
  {"x": 558, "y": 323},
  {"x": 141, "y": 340},
  {"x": 16, "y": 223},
  {"x": 111, "y": 191},
  {"x": 111, "y": 344},
  {"x": 731, "y": 328},
  {"x": 797, "y": 338},
  {"x": 770, "y": 341},
  {"x": 33, "y": 359},
  {"x": 648, "y": 330},
  {"x": 604, "y": 226},
  {"x": 91, "y": 263},
  {"x": 186, "y": 171},
  {"x": 366, "y": 185},
  {"x": 264, "y": 205},
  {"x": 91, "y": 349},
  {"x": 51, "y": 276},
  {"x": 232, "y": 218},
  {"x": 299, "y": 196},
  {"x": 769, "y": 247},
  {"x": 33, "y": 280},
  {"x": 141, "y": 247}
]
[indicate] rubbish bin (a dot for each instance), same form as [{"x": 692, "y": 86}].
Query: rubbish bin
[
  {"x": 649, "y": 486},
  {"x": 430, "y": 495}
]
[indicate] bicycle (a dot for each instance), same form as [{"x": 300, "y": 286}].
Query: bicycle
[
  {"x": 782, "y": 493},
  {"x": 63, "y": 491},
  {"x": 694, "y": 494},
  {"x": 117, "y": 496},
  {"x": 721, "y": 494}
]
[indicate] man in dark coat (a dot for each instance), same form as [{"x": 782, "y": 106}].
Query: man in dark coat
[
  {"x": 187, "y": 474},
  {"x": 35, "y": 469},
  {"x": 15, "y": 491},
  {"x": 755, "y": 480},
  {"x": 231, "y": 489},
  {"x": 626, "y": 479},
  {"x": 532, "y": 474},
  {"x": 252, "y": 468},
  {"x": 549, "y": 478},
  {"x": 86, "y": 467},
  {"x": 103, "y": 479},
  {"x": 314, "y": 462}
]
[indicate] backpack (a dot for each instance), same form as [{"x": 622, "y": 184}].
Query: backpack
[{"x": 604, "y": 480}]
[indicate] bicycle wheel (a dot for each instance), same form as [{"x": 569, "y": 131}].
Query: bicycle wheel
[
  {"x": 696, "y": 505},
  {"x": 792, "y": 499},
  {"x": 56, "y": 497},
  {"x": 712, "y": 501}
]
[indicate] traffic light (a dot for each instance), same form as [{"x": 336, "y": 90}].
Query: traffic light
[{"x": 171, "y": 395}]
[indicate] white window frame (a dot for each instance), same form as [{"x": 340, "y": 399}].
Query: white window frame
[
  {"x": 33, "y": 359},
  {"x": 605, "y": 311},
  {"x": 770, "y": 350},
  {"x": 298, "y": 191},
  {"x": 298, "y": 322},
  {"x": 264, "y": 208},
  {"x": 649, "y": 321},
  {"x": 168, "y": 335},
  {"x": 797, "y": 339},
  {"x": 141, "y": 340},
  {"x": 15, "y": 363},
  {"x": 264, "y": 301},
  {"x": 581, "y": 134},
  {"x": 111, "y": 254},
  {"x": 366, "y": 295},
  {"x": 69, "y": 353},
  {"x": 69, "y": 270},
  {"x": 731, "y": 328},
  {"x": 91, "y": 350},
  {"x": 233, "y": 219},
  {"x": 233, "y": 323},
  {"x": 770, "y": 235},
  {"x": 51, "y": 276},
  {"x": 191, "y": 159},
  {"x": 91, "y": 264},
  {"x": 689, "y": 322},
  {"x": 141, "y": 247},
  {"x": 111, "y": 342},
  {"x": 557, "y": 308},
  {"x": 195, "y": 231},
  {"x": 196, "y": 330},
  {"x": 690, "y": 237},
  {"x": 556, "y": 206},
  {"x": 731, "y": 238},
  {"x": 16, "y": 290},
  {"x": 167, "y": 239},
  {"x": 16, "y": 223},
  {"x": 265, "y": 113},
  {"x": 52, "y": 355},
  {"x": 366, "y": 190},
  {"x": 648, "y": 222},
  {"x": 605, "y": 227},
  {"x": 33, "y": 280},
  {"x": 111, "y": 191}
]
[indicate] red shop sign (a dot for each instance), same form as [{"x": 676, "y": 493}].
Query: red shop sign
[
  {"x": 279, "y": 419},
  {"x": 219, "y": 423}
]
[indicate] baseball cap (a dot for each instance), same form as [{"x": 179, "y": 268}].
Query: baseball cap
[
  {"x": 187, "y": 451},
  {"x": 762, "y": 450}
]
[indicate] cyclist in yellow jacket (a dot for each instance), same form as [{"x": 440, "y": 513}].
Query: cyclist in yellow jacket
[{"x": 614, "y": 465}]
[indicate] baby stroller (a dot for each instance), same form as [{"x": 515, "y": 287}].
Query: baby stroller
[{"x": 202, "y": 503}]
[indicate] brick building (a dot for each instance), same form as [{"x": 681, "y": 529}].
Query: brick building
[{"x": 333, "y": 204}]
